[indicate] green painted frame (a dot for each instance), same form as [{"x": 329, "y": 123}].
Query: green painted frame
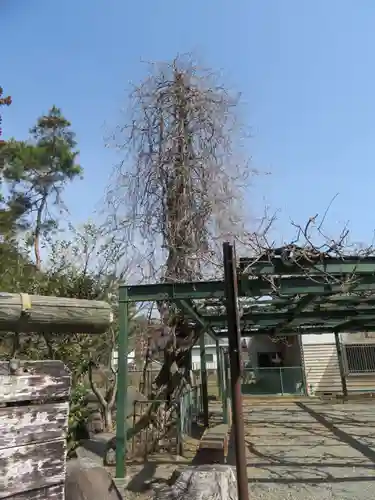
[{"x": 325, "y": 295}]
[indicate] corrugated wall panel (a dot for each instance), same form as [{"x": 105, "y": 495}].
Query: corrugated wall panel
[
  {"x": 321, "y": 368},
  {"x": 360, "y": 383}
]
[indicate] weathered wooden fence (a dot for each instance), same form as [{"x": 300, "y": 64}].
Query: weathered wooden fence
[{"x": 34, "y": 410}]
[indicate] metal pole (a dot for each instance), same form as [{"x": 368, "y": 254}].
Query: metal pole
[
  {"x": 204, "y": 380},
  {"x": 234, "y": 337},
  {"x": 224, "y": 397},
  {"x": 122, "y": 385},
  {"x": 227, "y": 396},
  {"x": 341, "y": 366},
  {"x": 218, "y": 367},
  {"x": 281, "y": 381}
]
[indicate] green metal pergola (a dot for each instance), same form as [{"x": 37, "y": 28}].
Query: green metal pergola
[{"x": 277, "y": 296}]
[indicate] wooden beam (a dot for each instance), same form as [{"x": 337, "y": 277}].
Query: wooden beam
[{"x": 37, "y": 313}]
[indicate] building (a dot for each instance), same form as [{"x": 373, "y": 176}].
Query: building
[
  {"x": 210, "y": 351},
  {"x": 309, "y": 365},
  {"x": 211, "y": 358},
  {"x": 114, "y": 361},
  {"x": 321, "y": 363},
  {"x": 299, "y": 365},
  {"x": 154, "y": 366},
  {"x": 273, "y": 367}
]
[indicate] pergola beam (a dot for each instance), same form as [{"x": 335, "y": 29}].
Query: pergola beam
[
  {"x": 188, "y": 307},
  {"x": 329, "y": 266},
  {"x": 334, "y": 285},
  {"x": 283, "y": 288},
  {"x": 174, "y": 291},
  {"x": 280, "y": 320},
  {"x": 307, "y": 297},
  {"x": 315, "y": 329}
]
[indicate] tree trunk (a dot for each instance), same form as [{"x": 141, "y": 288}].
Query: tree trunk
[
  {"x": 108, "y": 420},
  {"x": 38, "y": 228}
]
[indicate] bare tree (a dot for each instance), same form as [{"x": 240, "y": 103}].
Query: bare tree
[
  {"x": 179, "y": 190},
  {"x": 180, "y": 187}
]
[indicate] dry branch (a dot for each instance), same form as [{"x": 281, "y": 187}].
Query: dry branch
[{"x": 179, "y": 189}]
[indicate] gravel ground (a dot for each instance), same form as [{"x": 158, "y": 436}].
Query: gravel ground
[
  {"x": 311, "y": 451},
  {"x": 298, "y": 451}
]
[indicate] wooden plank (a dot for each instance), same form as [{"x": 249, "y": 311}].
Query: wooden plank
[
  {"x": 218, "y": 431},
  {"x": 32, "y": 467},
  {"x": 55, "y": 492},
  {"x": 35, "y": 381},
  {"x": 20, "y": 426},
  {"x": 214, "y": 445},
  {"x": 38, "y": 313},
  {"x": 215, "y": 438}
]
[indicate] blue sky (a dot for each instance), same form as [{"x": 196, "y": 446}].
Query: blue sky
[{"x": 306, "y": 71}]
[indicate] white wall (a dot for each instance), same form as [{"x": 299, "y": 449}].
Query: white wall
[
  {"x": 114, "y": 362},
  {"x": 260, "y": 344},
  {"x": 324, "y": 338},
  {"x": 196, "y": 358}
]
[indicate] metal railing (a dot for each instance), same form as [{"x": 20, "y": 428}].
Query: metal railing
[
  {"x": 210, "y": 365},
  {"x": 275, "y": 380},
  {"x": 191, "y": 408},
  {"x": 142, "y": 380},
  {"x": 160, "y": 433},
  {"x": 264, "y": 381},
  {"x": 170, "y": 422}
]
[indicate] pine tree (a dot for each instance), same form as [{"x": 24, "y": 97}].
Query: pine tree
[{"x": 36, "y": 172}]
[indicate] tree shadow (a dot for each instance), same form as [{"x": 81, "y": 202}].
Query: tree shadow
[
  {"x": 145, "y": 479},
  {"x": 341, "y": 435},
  {"x": 294, "y": 431}
]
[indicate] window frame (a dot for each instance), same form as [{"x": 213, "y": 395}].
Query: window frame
[
  {"x": 212, "y": 356},
  {"x": 360, "y": 346}
]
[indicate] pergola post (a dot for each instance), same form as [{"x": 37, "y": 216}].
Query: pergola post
[
  {"x": 204, "y": 380},
  {"x": 219, "y": 369},
  {"x": 341, "y": 365},
  {"x": 284, "y": 291},
  {"x": 122, "y": 387},
  {"x": 225, "y": 385},
  {"x": 234, "y": 337}
]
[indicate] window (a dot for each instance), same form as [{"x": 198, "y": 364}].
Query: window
[
  {"x": 269, "y": 359},
  {"x": 209, "y": 358},
  {"x": 360, "y": 358}
]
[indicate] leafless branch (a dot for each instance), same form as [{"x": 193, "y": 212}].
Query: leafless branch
[{"x": 180, "y": 187}]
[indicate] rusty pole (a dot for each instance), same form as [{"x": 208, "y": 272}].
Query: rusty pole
[
  {"x": 234, "y": 337},
  {"x": 341, "y": 366}
]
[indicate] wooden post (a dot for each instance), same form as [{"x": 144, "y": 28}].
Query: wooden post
[
  {"x": 204, "y": 380},
  {"x": 21, "y": 312},
  {"x": 33, "y": 428}
]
